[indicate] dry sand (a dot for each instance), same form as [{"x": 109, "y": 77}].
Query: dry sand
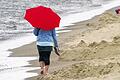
[{"x": 91, "y": 51}]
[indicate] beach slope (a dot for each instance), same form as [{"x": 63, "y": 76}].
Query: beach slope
[{"x": 91, "y": 51}]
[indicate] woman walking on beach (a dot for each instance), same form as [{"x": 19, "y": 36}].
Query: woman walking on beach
[
  {"x": 46, "y": 40},
  {"x": 44, "y": 20}
]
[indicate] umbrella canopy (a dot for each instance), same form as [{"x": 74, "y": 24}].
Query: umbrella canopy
[{"x": 42, "y": 17}]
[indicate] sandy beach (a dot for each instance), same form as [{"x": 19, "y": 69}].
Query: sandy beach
[{"x": 91, "y": 51}]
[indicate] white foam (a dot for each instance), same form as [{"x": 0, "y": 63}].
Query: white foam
[
  {"x": 17, "y": 74},
  {"x": 73, "y": 18},
  {"x": 11, "y": 62},
  {"x": 14, "y": 43},
  {"x": 10, "y": 66}
]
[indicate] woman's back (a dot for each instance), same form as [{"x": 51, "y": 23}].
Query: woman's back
[{"x": 46, "y": 38}]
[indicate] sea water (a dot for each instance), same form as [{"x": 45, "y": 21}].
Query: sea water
[{"x": 16, "y": 32}]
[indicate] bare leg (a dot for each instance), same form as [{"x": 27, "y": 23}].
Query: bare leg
[
  {"x": 45, "y": 70},
  {"x": 42, "y": 65}
]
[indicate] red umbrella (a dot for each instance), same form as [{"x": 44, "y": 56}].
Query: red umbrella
[{"x": 42, "y": 17}]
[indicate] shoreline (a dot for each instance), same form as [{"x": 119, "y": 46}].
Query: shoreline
[
  {"x": 32, "y": 48},
  {"x": 67, "y": 37}
]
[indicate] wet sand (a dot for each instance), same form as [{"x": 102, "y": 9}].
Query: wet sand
[{"x": 91, "y": 51}]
